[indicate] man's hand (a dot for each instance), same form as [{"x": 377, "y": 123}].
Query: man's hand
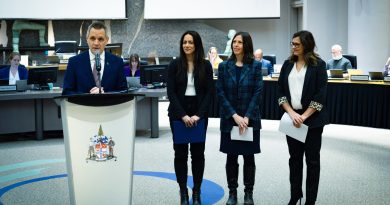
[{"x": 95, "y": 90}]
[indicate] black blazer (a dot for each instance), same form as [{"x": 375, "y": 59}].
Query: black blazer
[
  {"x": 176, "y": 88},
  {"x": 313, "y": 93}
]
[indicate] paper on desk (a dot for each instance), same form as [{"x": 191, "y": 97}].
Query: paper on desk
[
  {"x": 246, "y": 136},
  {"x": 286, "y": 126}
]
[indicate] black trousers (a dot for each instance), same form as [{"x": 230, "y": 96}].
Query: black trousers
[
  {"x": 196, "y": 149},
  {"x": 311, "y": 148}
]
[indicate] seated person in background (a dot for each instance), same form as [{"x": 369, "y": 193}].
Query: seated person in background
[
  {"x": 213, "y": 57},
  {"x": 264, "y": 63},
  {"x": 15, "y": 71},
  {"x": 338, "y": 61},
  {"x": 133, "y": 70},
  {"x": 386, "y": 71},
  {"x": 81, "y": 74},
  {"x": 152, "y": 57}
]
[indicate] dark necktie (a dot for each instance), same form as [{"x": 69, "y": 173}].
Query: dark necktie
[{"x": 95, "y": 75}]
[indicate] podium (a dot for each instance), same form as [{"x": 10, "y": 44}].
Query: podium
[{"x": 99, "y": 131}]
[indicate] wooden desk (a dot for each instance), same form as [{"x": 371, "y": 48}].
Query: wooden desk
[{"x": 60, "y": 66}]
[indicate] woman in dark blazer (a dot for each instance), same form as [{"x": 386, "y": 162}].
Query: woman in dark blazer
[
  {"x": 302, "y": 94},
  {"x": 239, "y": 89},
  {"x": 190, "y": 89},
  {"x": 14, "y": 71}
]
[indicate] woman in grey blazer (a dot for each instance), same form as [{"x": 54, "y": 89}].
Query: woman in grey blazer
[
  {"x": 302, "y": 94},
  {"x": 239, "y": 89}
]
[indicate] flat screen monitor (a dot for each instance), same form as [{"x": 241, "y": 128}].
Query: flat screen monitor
[
  {"x": 153, "y": 74},
  {"x": 68, "y": 47},
  {"x": 42, "y": 76},
  {"x": 114, "y": 48}
]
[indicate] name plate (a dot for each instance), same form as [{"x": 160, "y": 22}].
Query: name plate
[
  {"x": 7, "y": 88},
  {"x": 386, "y": 79},
  {"x": 275, "y": 75},
  {"x": 64, "y": 61},
  {"x": 359, "y": 77}
]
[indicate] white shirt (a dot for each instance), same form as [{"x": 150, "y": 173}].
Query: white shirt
[
  {"x": 295, "y": 83},
  {"x": 12, "y": 79},
  {"x": 92, "y": 59},
  {"x": 190, "y": 91}
]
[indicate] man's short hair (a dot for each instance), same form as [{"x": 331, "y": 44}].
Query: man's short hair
[{"x": 97, "y": 25}]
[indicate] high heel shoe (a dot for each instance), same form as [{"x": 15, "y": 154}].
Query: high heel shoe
[{"x": 294, "y": 201}]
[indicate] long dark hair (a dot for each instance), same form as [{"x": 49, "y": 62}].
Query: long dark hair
[
  {"x": 248, "y": 48},
  {"x": 136, "y": 58},
  {"x": 309, "y": 44},
  {"x": 199, "y": 58}
]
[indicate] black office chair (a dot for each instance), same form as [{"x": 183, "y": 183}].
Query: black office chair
[
  {"x": 352, "y": 59},
  {"x": 271, "y": 58}
]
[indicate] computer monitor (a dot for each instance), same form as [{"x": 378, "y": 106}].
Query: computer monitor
[
  {"x": 271, "y": 58},
  {"x": 114, "y": 48},
  {"x": 153, "y": 74},
  {"x": 65, "y": 47},
  {"x": 42, "y": 76}
]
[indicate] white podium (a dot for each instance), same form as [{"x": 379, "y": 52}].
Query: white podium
[{"x": 99, "y": 133}]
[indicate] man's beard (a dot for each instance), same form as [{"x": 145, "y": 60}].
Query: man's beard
[{"x": 337, "y": 57}]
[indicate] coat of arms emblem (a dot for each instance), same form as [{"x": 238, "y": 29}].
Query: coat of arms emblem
[{"x": 101, "y": 147}]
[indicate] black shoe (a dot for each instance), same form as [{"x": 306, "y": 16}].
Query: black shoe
[
  {"x": 248, "y": 198},
  {"x": 196, "y": 197},
  {"x": 232, "y": 198},
  {"x": 249, "y": 182},
  {"x": 294, "y": 201}
]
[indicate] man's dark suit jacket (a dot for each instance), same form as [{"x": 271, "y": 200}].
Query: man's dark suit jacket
[
  {"x": 239, "y": 97},
  {"x": 79, "y": 78},
  {"x": 23, "y": 73},
  {"x": 267, "y": 64},
  {"x": 176, "y": 88},
  {"x": 313, "y": 93}
]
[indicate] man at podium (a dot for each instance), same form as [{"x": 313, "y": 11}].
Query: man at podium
[{"x": 94, "y": 71}]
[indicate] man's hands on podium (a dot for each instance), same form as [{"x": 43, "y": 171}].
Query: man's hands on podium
[{"x": 95, "y": 90}]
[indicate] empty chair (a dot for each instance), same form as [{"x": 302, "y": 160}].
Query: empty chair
[{"x": 352, "y": 59}]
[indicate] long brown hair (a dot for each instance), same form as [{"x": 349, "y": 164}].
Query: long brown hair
[
  {"x": 309, "y": 44},
  {"x": 248, "y": 48}
]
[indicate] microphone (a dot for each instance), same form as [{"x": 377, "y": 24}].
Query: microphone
[{"x": 97, "y": 61}]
